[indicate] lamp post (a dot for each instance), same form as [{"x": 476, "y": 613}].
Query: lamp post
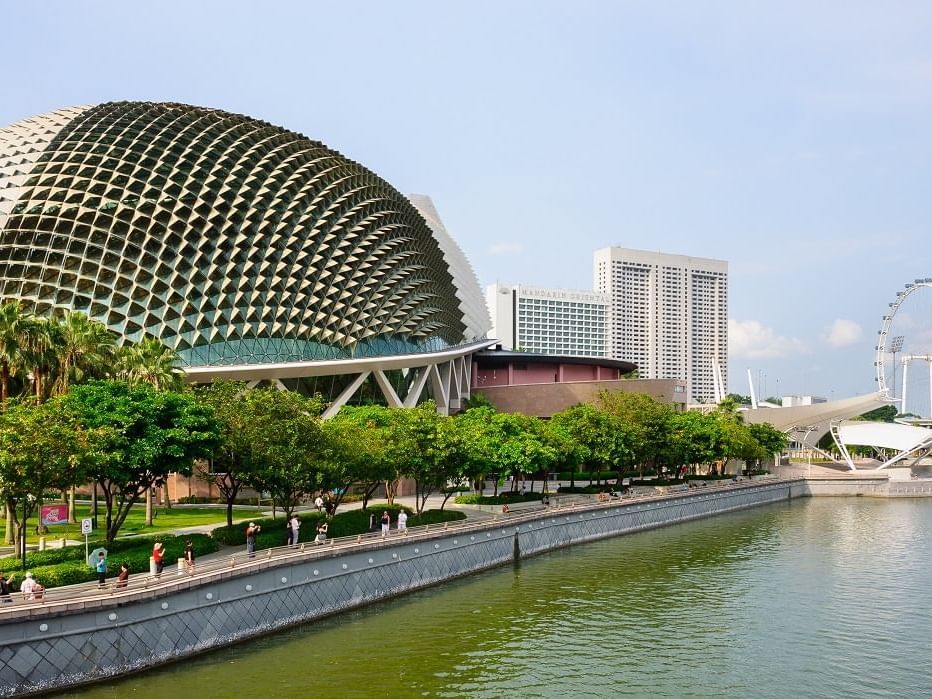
[{"x": 896, "y": 344}]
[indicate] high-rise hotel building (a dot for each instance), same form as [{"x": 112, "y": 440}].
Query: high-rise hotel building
[
  {"x": 669, "y": 315},
  {"x": 549, "y": 321}
]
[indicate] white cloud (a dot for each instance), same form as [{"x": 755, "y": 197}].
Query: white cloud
[
  {"x": 749, "y": 339},
  {"x": 506, "y": 248},
  {"x": 843, "y": 333}
]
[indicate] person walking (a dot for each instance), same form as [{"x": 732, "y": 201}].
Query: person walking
[
  {"x": 402, "y": 521},
  {"x": 158, "y": 557},
  {"x": 319, "y": 503},
  {"x": 251, "y": 532},
  {"x": 386, "y": 523},
  {"x": 189, "y": 557},
  {"x": 295, "y": 529},
  {"x": 101, "y": 568},
  {"x": 290, "y": 530}
]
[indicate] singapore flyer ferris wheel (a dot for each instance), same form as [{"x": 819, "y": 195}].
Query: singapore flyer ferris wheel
[{"x": 903, "y": 360}]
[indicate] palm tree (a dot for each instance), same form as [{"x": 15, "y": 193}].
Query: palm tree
[
  {"x": 150, "y": 361},
  {"x": 12, "y": 323},
  {"x": 41, "y": 338},
  {"x": 87, "y": 350}
]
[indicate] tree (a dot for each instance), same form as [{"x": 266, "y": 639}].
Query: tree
[
  {"x": 288, "y": 453},
  {"x": 41, "y": 338},
  {"x": 519, "y": 445},
  {"x": 478, "y": 436},
  {"x": 143, "y": 435},
  {"x": 150, "y": 361},
  {"x": 42, "y": 447},
  {"x": 12, "y": 326},
  {"x": 887, "y": 413},
  {"x": 358, "y": 438},
  {"x": 87, "y": 350},
  {"x": 768, "y": 440},
  {"x": 230, "y": 463},
  {"x": 599, "y": 439},
  {"x": 647, "y": 420},
  {"x": 423, "y": 449}
]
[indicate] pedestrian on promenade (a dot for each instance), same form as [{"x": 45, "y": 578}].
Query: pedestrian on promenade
[
  {"x": 321, "y": 532},
  {"x": 101, "y": 569},
  {"x": 251, "y": 532},
  {"x": 189, "y": 557},
  {"x": 28, "y": 588},
  {"x": 319, "y": 503},
  {"x": 386, "y": 523},
  {"x": 295, "y": 529},
  {"x": 290, "y": 531},
  {"x": 5, "y": 588},
  {"x": 123, "y": 577},
  {"x": 158, "y": 556},
  {"x": 402, "y": 521}
]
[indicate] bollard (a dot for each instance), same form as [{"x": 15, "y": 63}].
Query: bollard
[
  {"x": 302, "y": 547},
  {"x": 62, "y": 543},
  {"x": 232, "y": 561},
  {"x": 42, "y": 543},
  {"x": 426, "y": 527},
  {"x": 180, "y": 566},
  {"x": 268, "y": 555},
  {"x": 446, "y": 525},
  {"x": 332, "y": 541},
  {"x": 358, "y": 538}
]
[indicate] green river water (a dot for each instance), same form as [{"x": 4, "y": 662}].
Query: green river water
[{"x": 819, "y": 597}]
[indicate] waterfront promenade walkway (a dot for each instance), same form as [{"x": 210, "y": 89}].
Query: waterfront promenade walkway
[{"x": 235, "y": 561}]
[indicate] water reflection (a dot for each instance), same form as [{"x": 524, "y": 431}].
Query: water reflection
[{"x": 819, "y": 597}]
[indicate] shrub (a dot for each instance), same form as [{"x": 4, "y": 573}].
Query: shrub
[
  {"x": 435, "y": 517},
  {"x": 273, "y": 532},
  {"x": 499, "y": 499}
]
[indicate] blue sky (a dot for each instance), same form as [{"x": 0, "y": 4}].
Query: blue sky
[{"x": 792, "y": 139}]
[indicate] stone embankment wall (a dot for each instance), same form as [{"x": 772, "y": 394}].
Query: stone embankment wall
[{"x": 56, "y": 646}]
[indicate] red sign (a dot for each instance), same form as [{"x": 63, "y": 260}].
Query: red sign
[{"x": 54, "y": 514}]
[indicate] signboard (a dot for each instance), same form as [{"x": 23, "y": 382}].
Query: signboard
[
  {"x": 87, "y": 525},
  {"x": 53, "y": 514}
]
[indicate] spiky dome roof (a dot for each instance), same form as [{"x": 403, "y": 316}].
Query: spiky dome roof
[{"x": 231, "y": 240}]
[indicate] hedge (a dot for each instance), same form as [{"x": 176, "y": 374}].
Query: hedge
[{"x": 499, "y": 499}]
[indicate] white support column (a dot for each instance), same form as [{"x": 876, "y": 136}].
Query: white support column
[
  {"x": 903, "y": 393},
  {"x": 441, "y": 397},
  {"x": 417, "y": 387},
  {"x": 279, "y": 385},
  {"x": 345, "y": 395},
  {"x": 391, "y": 397},
  {"x": 253, "y": 383}
]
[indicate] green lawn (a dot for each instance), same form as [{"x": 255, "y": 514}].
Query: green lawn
[{"x": 164, "y": 519}]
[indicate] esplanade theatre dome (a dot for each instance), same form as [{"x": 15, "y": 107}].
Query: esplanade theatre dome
[{"x": 233, "y": 241}]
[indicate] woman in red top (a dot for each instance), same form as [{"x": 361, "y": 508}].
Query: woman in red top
[{"x": 158, "y": 555}]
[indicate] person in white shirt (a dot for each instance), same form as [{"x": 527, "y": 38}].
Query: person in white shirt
[
  {"x": 402, "y": 521},
  {"x": 295, "y": 526},
  {"x": 319, "y": 503},
  {"x": 29, "y": 587}
]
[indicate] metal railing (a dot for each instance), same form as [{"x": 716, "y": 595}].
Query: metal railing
[{"x": 91, "y": 594}]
